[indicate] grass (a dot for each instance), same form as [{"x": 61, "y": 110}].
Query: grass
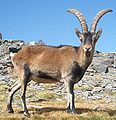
[
  {"x": 3, "y": 87},
  {"x": 82, "y": 88},
  {"x": 45, "y": 95},
  {"x": 47, "y": 86},
  {"x": 52, "y": 109},
  {"x": 113, "y": 94}
]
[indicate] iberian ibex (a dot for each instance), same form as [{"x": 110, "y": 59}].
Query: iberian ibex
[{"x": 46, "y": 64}]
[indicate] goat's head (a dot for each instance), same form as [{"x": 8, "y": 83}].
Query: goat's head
[{"x": 88, "y": 38}]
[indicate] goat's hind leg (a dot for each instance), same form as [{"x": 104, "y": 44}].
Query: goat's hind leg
[
  {"x": 24, "y": 81},
  {"x": 12, "y": 91}
]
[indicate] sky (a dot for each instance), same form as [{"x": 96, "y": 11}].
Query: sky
[{"x": 48, "y": 20}]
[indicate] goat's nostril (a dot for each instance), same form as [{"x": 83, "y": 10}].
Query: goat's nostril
[{"x": 88, "y": 48}]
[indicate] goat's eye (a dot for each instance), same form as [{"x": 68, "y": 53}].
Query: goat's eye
[{"x": 80, "y": 38}]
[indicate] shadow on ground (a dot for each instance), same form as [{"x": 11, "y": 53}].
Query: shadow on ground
[{"x": 78, "y": 110}]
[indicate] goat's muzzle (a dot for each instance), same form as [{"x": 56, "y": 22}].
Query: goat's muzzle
[{"x": 88, "y": 51}]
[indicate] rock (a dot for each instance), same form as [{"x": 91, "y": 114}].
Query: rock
[
  {"x": 40, "y": 42},
  {"x": 101, "y": 68},
  {"x": 3, "y": 49},
  {"x": 95, "y": 97},
  {"x": 114, "y": 60},
  {"x": 86, "y": 94},
  {"x": 112, "y": 70},
  {"x": 109, "y": 87},
  {"x": 97, "y": 89},
  {"x": 32, "y": 43},
  {"x": 98, "y": 66},
  {"x": 14, "y": 49},
  {"x": 102, "y": 61},
  {"x": 1, "y": 67},
  {"x": 11, "y": 55}
]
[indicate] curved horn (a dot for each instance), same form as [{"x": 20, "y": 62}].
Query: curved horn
[
  {"x": 97, "y": 18},
  {"x": 81, "y": 19}
]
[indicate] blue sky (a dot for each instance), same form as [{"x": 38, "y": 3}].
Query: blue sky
[{"x": 48, "y": 20}]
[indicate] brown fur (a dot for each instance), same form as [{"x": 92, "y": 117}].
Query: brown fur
[
  {"x": 51, "y": 60},
  {"x": 45, "y": 64}
]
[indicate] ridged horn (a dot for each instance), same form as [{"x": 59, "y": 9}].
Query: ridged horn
[
  {"x": 97, "y": 18},
  {"x": 81, "y": 19}
]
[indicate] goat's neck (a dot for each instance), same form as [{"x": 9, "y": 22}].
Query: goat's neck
[{"x": 84, "y": 61}]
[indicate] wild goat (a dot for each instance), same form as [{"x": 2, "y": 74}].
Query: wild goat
[{"x": 46, "y": 64}]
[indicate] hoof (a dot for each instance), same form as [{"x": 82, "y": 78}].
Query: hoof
[
  {"x": 10, "y": 111},
  {"x": 26, "y": 114},
  {"x": 73, "y": 112},
  {"x": 68, "y": 111}
]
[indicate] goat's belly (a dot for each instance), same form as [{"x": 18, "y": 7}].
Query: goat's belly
[{"x": 42, "y": 80}]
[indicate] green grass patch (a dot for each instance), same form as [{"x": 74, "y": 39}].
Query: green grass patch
[
  {"x": 2, "y": 97},
  {"x": 3, "y": 88},
  {"x": 46, "y": 95},
  {"x": 83, "y": 88},
  {"x": 113, "y": 94}
]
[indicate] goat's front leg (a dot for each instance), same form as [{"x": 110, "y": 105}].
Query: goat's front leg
[{"x": 70, "y": 96}]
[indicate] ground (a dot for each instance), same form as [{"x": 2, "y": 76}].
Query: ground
[{"x": 50, "y": 106}]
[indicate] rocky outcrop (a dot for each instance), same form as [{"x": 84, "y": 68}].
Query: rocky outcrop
[
  {"x": 98, "y": 83},
  {"x": 8, "y": 46}
]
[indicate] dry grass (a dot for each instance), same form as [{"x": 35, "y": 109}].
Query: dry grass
[{"x": 54, "y": 109}]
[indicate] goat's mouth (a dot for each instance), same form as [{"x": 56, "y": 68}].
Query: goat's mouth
[{"x": 88, "y": 53}]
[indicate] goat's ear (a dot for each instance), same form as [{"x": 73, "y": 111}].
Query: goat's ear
[
  {"x": 98, "y": 34},
  {"x": 79, "y": 34}
]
